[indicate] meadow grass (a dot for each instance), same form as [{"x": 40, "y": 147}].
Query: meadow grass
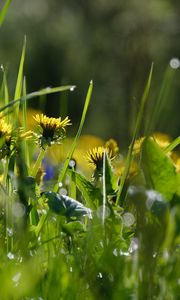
[{"x": 114, "y": 235}]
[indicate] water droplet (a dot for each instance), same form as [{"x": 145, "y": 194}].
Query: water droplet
[
  {"x": 60, "y": 184},
  {"x": 72, "y": 163},
  {"x": 72, "y": 88},
  {"x": 10, "y": 255},
  {"x": 71, "y": 269},
  {"x": 91, "y": 81},
  {"x": 152, "y": 196},
  {"x": 101, "y": 210},
  {"x": 18, "y": 209},
  {"x": 10, "y": 232},
  {"x": 133, "y": 245},
  {"x": 115, "y": 252},
  {"x": 174, "y": 63},
  {"x": 99, "y": 275},
  {"x": 124, "y": 253},
  {"x": 128, "y": 219},
  {"x": 16, "y": 277},
  {"x": 63, "y": 191}
]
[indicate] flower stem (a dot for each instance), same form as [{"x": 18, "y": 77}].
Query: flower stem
[{"x": 38, "y": 162}]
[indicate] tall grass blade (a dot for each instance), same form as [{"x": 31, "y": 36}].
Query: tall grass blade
[
  {"x": 71, "y": 151},
  {"x": 32, "y": 95},
  {"x": 4, "y": 93},
  {"x": 4, "y": 11},
  {"x": 19, "y": 83},
  {"x": 136, "y": 130},
  {"x": 161, "y": 101}
]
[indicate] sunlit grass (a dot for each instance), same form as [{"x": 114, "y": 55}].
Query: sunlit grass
[{"x": 72, "y": 231}]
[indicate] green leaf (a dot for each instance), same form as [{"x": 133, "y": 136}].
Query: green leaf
[
  {"x": 110, "y": 179},
  {"x": 159, "y": 171},
  {"x": 73, "y": 227},
  {"x": 66, "y": 206},
  {"x": 90, "y": 193}
]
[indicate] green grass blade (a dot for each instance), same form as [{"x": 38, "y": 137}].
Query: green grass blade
[
  {"x": 32, "y": 95},
  {"x": 173, "y": 145},
  {"x": 4, "y": 93},
  {"x": 71, "y": 151},
  {"x": 160, "y": 102},
  {"x": 19, "y": 83},
  {"x": 4, "y": 11},
  {"x": 137, "y": 127}
]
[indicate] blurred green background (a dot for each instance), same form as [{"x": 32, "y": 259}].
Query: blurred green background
[{"x": 112, "y": 42}]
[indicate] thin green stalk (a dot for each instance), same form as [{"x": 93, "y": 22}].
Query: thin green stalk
[
  {"x": 4, "y": 11},
  {"x": 173, "y": 145},
  {"x": 38, "y": 162},
  {"x": 104, "y": 188},
  {"x": 71, "y": 151},
  {"x": 137, "y": 127},
  {"x": 152, "y": 119}
]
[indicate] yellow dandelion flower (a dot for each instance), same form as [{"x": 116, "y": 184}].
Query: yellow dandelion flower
[
  {"x": 52, "y": 130},
  {"x": 95, "y": 157},
  {"x": 112, "y": 145},
  {"x": 162, "y": 139},
  {"x": 5, "y": 129},
  {"x": 6, "y": 136}
]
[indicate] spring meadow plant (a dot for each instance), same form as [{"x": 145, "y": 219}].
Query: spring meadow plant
[{"x": 112, "y": 232}]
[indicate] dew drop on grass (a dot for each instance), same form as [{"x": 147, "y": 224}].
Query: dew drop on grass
[
  {"x": 9, "y": 231},
  {"x": 63, "y": 191},
  {"x": 128, "y": 219},
  {"x": 10, "y": 255},
  {"x": 16, "y": 278},
  {"x": 101, "y": 210},
  {"x": 72, "y": 88},
  {"x": 115, "y": 252},
  {"x": 18, "y": 209},
  {"x": 174, "y": 63},
  {"x": 124, "y": 253},
  {"x": 133, "y": 245},
  {"x": 99, "y": 275}
]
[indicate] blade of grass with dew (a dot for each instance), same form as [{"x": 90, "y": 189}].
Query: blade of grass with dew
[
  {"x": 161, "y": 100},
  {"x": 137, "y": 127},
  {"x": 71, "y": 151},
  {"x": 19, "y": 83},
  {"x": 32, "y": 95},
  {"x": 172, "y": 145},
  {"x": 4, "y": 11}
]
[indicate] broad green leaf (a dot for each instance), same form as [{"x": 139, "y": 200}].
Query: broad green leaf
[
  {"x": 159, "y": 171},
  {"x": 90, "y": 193},
  {"x": 66, "y": 206}
]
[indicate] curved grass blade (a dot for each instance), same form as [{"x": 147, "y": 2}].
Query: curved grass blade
[
  {"x": 32, "y": 95},
  {"x": 71, "y": 151},
  {"x": 137, "y": 127},
  {"x": 4, "y": 11},
  {"x": 172, "y": 145}
]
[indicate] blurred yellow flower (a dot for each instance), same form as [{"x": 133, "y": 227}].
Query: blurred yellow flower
[{"x": 162, "y": 139}]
